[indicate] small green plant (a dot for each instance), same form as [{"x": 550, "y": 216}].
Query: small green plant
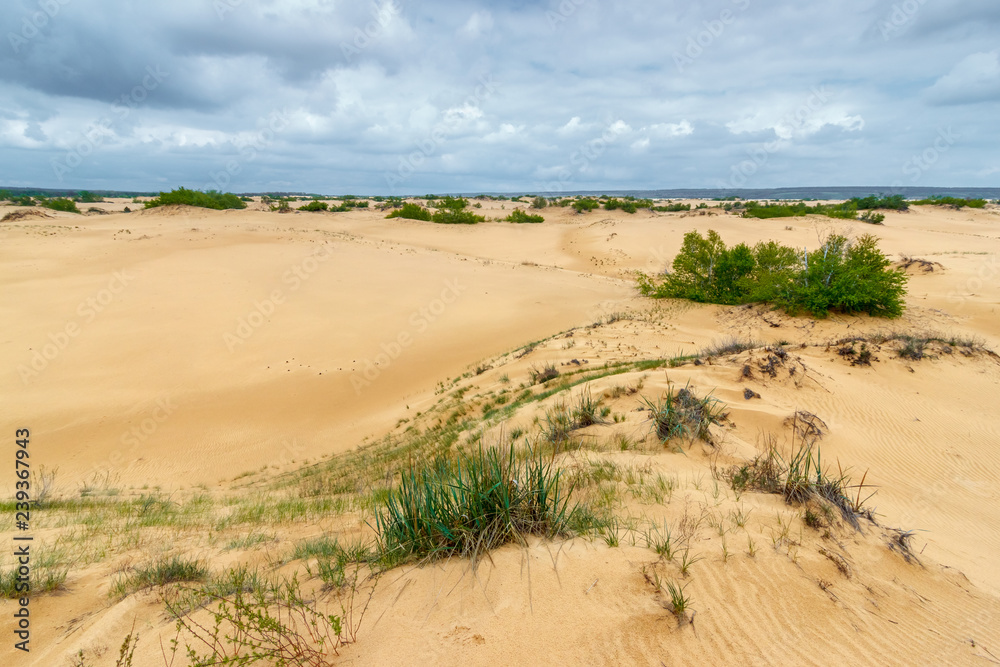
[
  {"x": 159, "y": 573},
  {"x": 315, "y": 206},
  {"x": 451, "y": 211},
  {"x": 586, "y": 204},
  {"x": 682, "y": 414},
  {"x": 544, "y": 374},
  {"x": 539, "y": 202}
]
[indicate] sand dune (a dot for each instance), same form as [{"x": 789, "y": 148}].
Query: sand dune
[{"x": 181, "y": 348}]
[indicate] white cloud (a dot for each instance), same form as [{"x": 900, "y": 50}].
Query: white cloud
[{"x": 478, "y": 24}]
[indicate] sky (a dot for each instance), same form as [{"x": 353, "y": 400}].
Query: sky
[{"x": 398, "y": 97}]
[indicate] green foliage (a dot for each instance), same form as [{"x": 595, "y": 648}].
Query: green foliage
[
  {"x": 451, "y": 211},
  {"x": 627, "y": 206},
  {"x": 65, "y": 205},
  {"x": 672, "y": 208},
  {"x": 22, "y": 201},
  {"x": 586, "y": 204},
  {"x": 159, "y": 573},
  {"x": 88, "y": 198},
  {"x": 211, "y": 199},
  {"x": 471, "y": 504},
  {"x": 849, "y": 277},
  {"x": 539, "y": 202},
  {"x": 520, "y": 216},
  {"x": 411, "y": 212},
  {"x": 954, "y": 202},
  {"x": 682, "y": 414},
  {"x": 872, "y": 218},
  {"x": 315, "y": 206},
  {"x": 892, "y": 202}
]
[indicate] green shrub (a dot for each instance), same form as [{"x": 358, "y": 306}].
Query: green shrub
[
  {"x": 892, "y": 202},
  {"x": 471, "y": 504},
  {"x": 451, "y": 211},
  {"x": 88, "y": 198},
  {"x": 65, "y": 205},
  {"x": 872, "y": 218},
  {"x": 520, "y": 216},
  {"x": 586, "y": 204},
  {"x": 627, "y": 206},
  {"x": 539, "y": 202},
  {"x": 411, "y": 212},
  {"x": 211, "y": 199},
  {"x": 315, "y": 206},
  {"x": 672, "y": 208},
  {"x": 841, "y": 276}
]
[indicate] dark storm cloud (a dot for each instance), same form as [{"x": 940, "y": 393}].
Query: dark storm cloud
[{"x": 415, "y": 97}]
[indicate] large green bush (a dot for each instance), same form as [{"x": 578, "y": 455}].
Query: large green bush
[
  {"x": 411, "y": 212},
  {"x": 517, "y": 215},
  {"x": 315, "y": 206},
  {"x": 841, "y": 275},
  {"x": 211, "y": 199},
  {"x": 586, "y": 204}
]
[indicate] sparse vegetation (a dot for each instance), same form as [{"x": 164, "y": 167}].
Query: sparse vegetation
[
  {"x": 517, "y": 215},
  {"x": 681, "y": 413},
  {"x": 64, "y": 205},
  {"x": 411, "y": 211},
  {"x": 586, "y": 204}
]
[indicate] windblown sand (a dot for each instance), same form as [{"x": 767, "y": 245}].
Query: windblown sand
[{"x": 180, "y": 348}]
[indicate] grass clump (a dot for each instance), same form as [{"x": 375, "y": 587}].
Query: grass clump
[
  {"x": 411, "y": 212},
  {"x": 544, "y": 374},
  {"x": 315, "y": 206},
  {"x": 470, "y": 504},
  {"x": 672, "y": 208},
  {"x": 682, "y": 414},
  {"x": 539, "y": 202},
  {"x": 843, "y": 275},
  {"x": 61, "y": 204},
  {"x": 159, "y": 573},
  {"x": 954, "y": 202},
  {"x": 520, "y": 216},
  {"x": 211, "y": 199}
]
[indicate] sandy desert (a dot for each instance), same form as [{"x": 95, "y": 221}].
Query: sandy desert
[{"x": 228, "y": 386}]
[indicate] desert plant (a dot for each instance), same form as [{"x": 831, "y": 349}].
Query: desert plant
[
  {"x": 539, "y": 202},
  {"x": 544, "y": 374},
  {"x": 586, "y": 204},
  {"x": 411, "y": 212},
  {"x": 210, "y": 199},
  {"x": 682, "y": 414},
  {"x": 61, "y": 204},
  {"x": 315, "y": 206},
  {"x": 159, "y": 573},
  {"x": 517, "y": 215},
  {"x": 471, "y": 504}
]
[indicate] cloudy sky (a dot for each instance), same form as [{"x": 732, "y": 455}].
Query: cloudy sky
[{"x": 408, "y": 96}]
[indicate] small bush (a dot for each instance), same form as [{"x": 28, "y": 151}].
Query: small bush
[
  {"x": 65, "y": 205},
  {"x": 89, "y": 198},
  {"x": 546, "y": 373},
  {"x": 315, "y": 206},
  {"x": 159, "y": 573},
  {"x": 520, "y": 216},
  {"x": 411, "y": 212},
  {"x": 586, "y": 204},
  {"x": 872, "y": 218},
  {"x": 954, "y": 202},
  {"x": 451, "y": 211},
  {"x": 212, "y": 199},
  {"x": 672, "y": 208},
  {"x": 539, "y": 202},
  {"x": 617, "y": 204}
]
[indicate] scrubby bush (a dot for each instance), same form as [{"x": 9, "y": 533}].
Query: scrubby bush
[
  {"x": 672, "y": 208},
  {"x": 627, "y": 206},
  {"x": 844, "y": 276},
  {"x": 65, "y": 205},
  {"x": 539, "y": 202},
  {"x": 872, "y": 218},
  {"x": 892, "y": 202},
  {"x": 211, "y": 199},
  {"x": 411, "y": 212},
  {"x": 586, "y": 204},
  {"x": 88, "y": 198},
  {"x": 451, "y": 211},
  {"x": 315, "y": 206},
  {"x": 520, "y": 216}
]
